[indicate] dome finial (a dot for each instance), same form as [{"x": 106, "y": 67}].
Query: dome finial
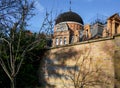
[{"x": 70, "y": 5}]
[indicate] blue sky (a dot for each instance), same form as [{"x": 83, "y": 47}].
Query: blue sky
[{"x": 87, "y": 9}]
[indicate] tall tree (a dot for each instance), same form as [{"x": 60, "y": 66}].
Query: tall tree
[{"x": 14, "y": 15}]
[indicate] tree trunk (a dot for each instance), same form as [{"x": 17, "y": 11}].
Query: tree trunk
[{"x": 12, "y": 82}]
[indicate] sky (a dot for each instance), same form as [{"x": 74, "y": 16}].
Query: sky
[{"x": 87, "y": 9}]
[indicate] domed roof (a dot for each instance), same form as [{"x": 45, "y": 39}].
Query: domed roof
[{"x": 69, "y": 16}]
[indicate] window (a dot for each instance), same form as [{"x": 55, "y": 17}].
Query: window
[
  {"x": 57, "y": 41},
  {"x": 72, "y": 39},
  {"x": 65, "y": 42},
  {"x": 116, "y": 28},
  {"x": 60, "y": 40},
  {"x": 86, "y": 33}
]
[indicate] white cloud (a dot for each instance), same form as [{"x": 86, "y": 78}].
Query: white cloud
[{"x": 38, "y": 6}]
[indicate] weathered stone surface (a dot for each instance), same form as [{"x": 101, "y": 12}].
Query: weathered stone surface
[{"x": 85, "y": 57}]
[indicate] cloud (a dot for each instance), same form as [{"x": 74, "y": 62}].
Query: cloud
[{"x": 38, "y": 6}]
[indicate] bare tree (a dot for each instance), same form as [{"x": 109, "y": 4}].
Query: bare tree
[{"x": 14, "y": 15}]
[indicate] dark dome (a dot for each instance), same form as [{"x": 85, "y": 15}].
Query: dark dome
[{"x": 69, "y": 16}]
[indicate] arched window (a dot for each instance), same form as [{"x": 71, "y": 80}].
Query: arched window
[
  {"x": 65, "y": 41},
  {"x": 72, "y": 39},
  {"x": 57, "y": 41},
  {"x": 86, "y": 33},
  {"x": 116, "y": 28},
  {"x": 60, "y": 40}
]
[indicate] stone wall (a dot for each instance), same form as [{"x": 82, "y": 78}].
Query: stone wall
[
  {"x": 89, "y": 64},
  {"x": 117, "y": 61}
]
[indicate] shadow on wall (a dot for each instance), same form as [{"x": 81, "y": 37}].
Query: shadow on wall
[
  {"x": 70, "y": 63},
  {"x": 53, "y": 65},
  {"x": 117, "y": 68}
]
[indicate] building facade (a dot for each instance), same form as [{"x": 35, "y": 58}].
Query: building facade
[
  {"x": 69, "y": 28},
  {"x": 83, "y": 56}
]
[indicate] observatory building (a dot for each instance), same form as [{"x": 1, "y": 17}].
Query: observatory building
[
  {"x": 69, "y": 28},
  {"x": 83, "y": 55}
]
